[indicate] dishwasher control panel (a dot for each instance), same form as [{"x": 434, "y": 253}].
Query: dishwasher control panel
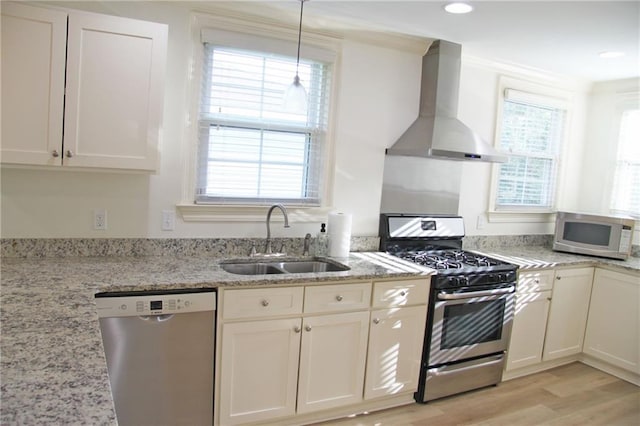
[{"x": 132, "y": 304}]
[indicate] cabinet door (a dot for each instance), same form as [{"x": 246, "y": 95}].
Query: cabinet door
[
  {"x": 528, "y": 330},
  {"x": 259, "y": 369},
  {"x": 114, "y": 100},
  {"x": 568, "y": 313},
  {"x": 332, "y": 361},
  {"x": 613, "y": 329},
  {"x": 33, "y": 63},
  {"x": 395, "y": 351}
]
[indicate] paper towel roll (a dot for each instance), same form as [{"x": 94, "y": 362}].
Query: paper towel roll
[{"x": 339, "y": 230}]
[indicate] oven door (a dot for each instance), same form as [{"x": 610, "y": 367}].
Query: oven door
[{"x": 471, "y": 324}]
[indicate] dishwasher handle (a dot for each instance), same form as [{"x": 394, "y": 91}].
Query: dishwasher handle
[{"x": 156, "y": 318}]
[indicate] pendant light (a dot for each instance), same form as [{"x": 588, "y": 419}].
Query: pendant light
[{"x": 295, "y": 97}]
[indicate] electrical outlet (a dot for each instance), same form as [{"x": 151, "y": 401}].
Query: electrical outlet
[
  {"x": 168, "y": 220},
  {"x": 481, "y": 222},
  {"x": 100, "y": 219}
]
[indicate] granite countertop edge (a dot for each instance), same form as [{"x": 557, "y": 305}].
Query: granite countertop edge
[{"x": 544, "y": 258}]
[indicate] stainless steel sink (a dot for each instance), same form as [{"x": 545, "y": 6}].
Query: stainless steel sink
[
  {"x": 299, "y": 267},
  {"x": 284, "y": 267},
  {"x": 251, "y": 268}
]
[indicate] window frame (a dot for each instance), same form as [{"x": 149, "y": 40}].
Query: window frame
[
  {"x": 243, "y": 32},
  {"x": 625, "y": 101},
  {"x": 552, "y": 97}
]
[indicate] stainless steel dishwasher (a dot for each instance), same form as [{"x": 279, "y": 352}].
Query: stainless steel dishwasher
[{"x": 160, "y": 355}]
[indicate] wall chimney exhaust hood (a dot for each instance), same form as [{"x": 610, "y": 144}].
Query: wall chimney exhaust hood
[{"x": 437, "y": 133}]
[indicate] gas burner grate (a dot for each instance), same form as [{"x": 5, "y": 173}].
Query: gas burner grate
[{"x": 447, "y": 259}]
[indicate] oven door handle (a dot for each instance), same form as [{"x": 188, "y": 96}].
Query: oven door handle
[{"x": 457, "y": 296}]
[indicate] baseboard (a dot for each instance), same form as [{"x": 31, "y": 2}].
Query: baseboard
[
  {"x": 538, "y": 368},
  {"x": 618, "y": 372},
  {"x": 342, "y": 412}
]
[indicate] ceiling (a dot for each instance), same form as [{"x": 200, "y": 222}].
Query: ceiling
[{"x": 562, "y": 37}]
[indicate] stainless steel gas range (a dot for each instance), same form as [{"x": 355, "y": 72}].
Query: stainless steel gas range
[{"x": 471, "y": 303}]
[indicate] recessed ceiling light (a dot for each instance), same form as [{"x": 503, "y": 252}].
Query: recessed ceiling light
[
  {"x": 458, "y": 8},
  {"x": 611, "y": 54}
]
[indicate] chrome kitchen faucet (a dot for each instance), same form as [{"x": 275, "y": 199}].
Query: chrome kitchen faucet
[{"x": 267, "y": 246}]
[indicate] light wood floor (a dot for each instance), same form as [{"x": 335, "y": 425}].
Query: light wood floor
[{"x": 574, "y": 394}]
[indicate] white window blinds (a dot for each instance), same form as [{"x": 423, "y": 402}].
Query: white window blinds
[
  {"x": 532, "y": 131},
  {"x": 626, "y": 187},
  {"x": 252, "y": 150}
]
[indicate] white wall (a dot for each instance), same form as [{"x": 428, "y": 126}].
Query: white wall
[
  {"x": 601, "y": 142},
  {"x": 378, "y": 100},
  {"x": 478, "y": 104}
]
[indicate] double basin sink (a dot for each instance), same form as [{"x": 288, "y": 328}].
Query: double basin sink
[{"x": 283, "y": 267}]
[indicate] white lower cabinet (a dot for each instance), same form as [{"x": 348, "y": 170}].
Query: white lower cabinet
[
  {"x": 528, "y": 331},
  {"x": 278, "y": 360},
  {"x": 533, "y": 298},
  {"x": 332, "y": 361},
  {"x": 395, "y": 350},
  {"x": 568, "y": 313},
  {"x": 259, "y": 370},
  {"x": 550, "y": 315},
  {"x": 613, "y": 328}
]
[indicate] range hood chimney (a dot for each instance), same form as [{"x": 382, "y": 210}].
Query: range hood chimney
[{"x": 437, "y": 133}]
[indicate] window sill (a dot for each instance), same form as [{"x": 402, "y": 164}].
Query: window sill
[
  {"x": 249, "y": 213},
  {"x": 521, "y": 217}
]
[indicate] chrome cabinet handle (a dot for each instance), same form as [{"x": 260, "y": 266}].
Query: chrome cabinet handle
[
  {"x": 339, "y": 298},
  {"x": 265, "y": 303},
  {"x": 307, "y": 327},
  {"x": 558, "y": 278},
  {"x": 537, "y": 281},
  {"x": 403, "y": 293},
  {"x": 55, "y": 153},
  {"x": 297, "y": 329},
  {"x": 376, "y": 320},
  {"x": 69, "y": 153}
]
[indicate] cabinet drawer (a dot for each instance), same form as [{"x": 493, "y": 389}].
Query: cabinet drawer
[
  {"x": 332, "y": 298},
  {"x": 531, "y": 281},
  {"x": 260, "y": 302},
  {"x": 401, "y": 293}
]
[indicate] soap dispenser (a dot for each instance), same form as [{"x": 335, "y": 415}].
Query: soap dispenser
[{"x": 322, "y": 241}]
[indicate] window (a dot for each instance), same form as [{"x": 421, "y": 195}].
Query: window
[
  {"x": 532, "y": 132},
  {"x": 251, "y": 150},
  {"x": 626, "y": 185}
]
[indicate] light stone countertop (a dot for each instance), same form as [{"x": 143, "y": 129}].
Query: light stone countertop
[
  {"x": 536, "y": 257},
  {"x": 52, "y": 361}
]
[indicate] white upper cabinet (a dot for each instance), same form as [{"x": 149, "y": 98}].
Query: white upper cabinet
[
  {"x": 33, "y": 65},
  {"x": 114, "y": 89}
]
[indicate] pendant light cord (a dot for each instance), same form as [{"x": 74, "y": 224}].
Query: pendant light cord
[{"x": 299, "y": 35}]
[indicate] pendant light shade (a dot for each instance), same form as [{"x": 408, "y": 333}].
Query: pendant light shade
[{"x": 295, "y": 97}]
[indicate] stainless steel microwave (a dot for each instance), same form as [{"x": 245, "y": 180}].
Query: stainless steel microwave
[{"x": 604, "y": 236}]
